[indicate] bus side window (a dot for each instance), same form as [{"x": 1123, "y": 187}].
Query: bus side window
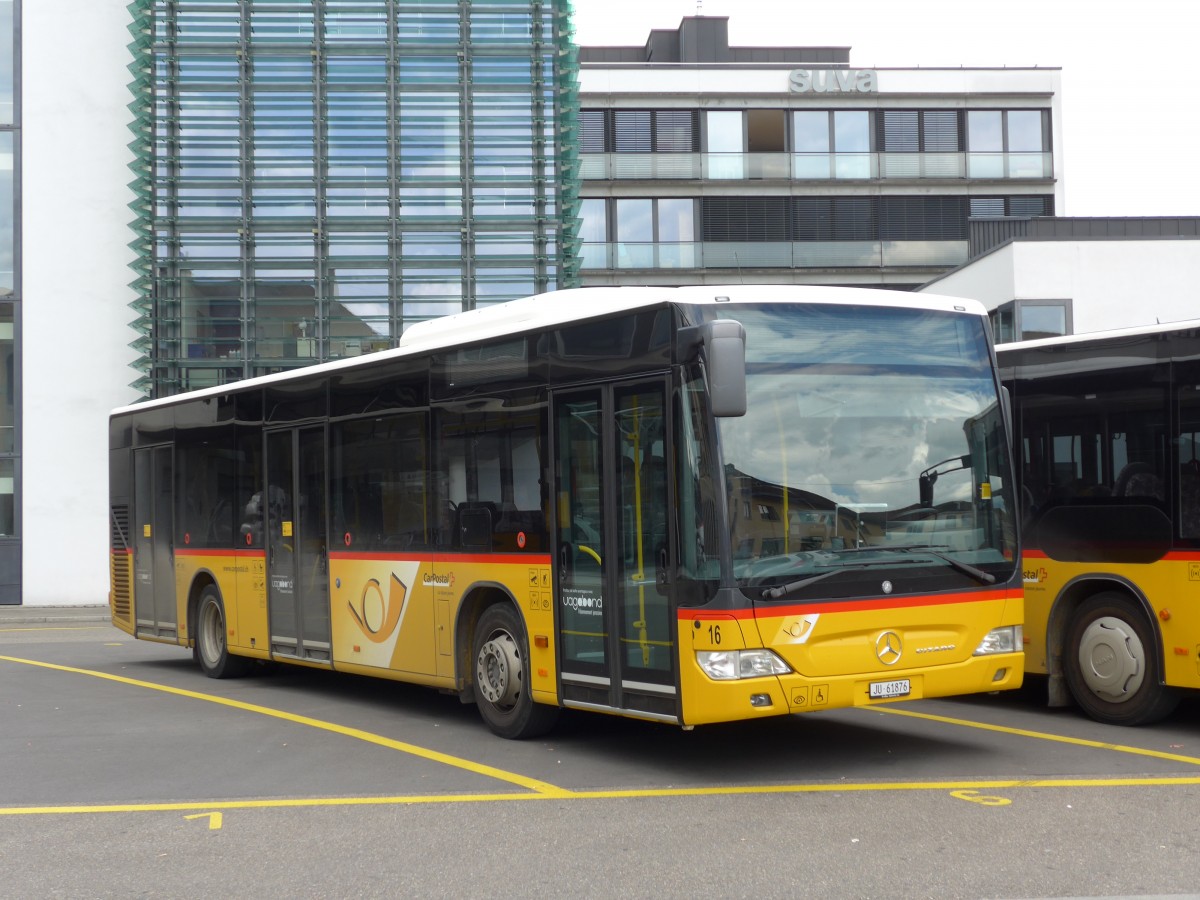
[
  {"x": 490, "y": 478},
  {"x": 1189, "y": 463},
  {"x": 1189, "y": 499},
  {"x": 378, "y": 482}
]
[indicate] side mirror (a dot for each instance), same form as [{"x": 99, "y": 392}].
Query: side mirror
[{"x": 724, "y": 342}]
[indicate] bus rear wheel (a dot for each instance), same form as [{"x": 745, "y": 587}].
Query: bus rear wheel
[
  {"x": 1112, "y": 663},
  {"x": 502, "y": 677},
  {"x": 211, "y": 648}
]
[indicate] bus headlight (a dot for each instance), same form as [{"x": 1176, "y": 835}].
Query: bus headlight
[
  {"x": 1010, "y": 639},
  {"x": 728, "y": 665}
]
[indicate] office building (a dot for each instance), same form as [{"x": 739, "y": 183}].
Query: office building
[
  {"x": 703, "y": 162},
  {"x": 10, "y": 303}
]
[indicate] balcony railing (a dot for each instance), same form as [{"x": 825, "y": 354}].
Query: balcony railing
[
  {"x": 815, "y": 166},
  {"x": 773, "y": 255}
]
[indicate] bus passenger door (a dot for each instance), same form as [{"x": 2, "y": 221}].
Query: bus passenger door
[
  {"x": 153, "y": 544},
  {"x": 615, "y": 616},
  {"x": 297, "y": 549}
]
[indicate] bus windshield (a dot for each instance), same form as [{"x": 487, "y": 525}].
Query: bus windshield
[{"x": 873, "y": 437}]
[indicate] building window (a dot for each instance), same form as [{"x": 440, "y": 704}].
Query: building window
[
  {"x": 633, "y": 131},
  {"x": 834, "y": 219},
  {"x": 748, "y": 219},
  {"x": 7, "y": 214},
  {"x": 650, "y": 233},
  {"x": 914, "y": 131},
  {"x": 593, "y": 234},
  {"x": 7, "y": 64},
  {"x": 635, "y": 233},
  {"x": 1002, "y": 324},
  {"x": 1024, "y": 206},
  {"x": 1008, "y": 143},
  {"x": 1029, "y": 320},
  {"x": 592, "y": 131},
  {"x": 831, "y": 144},
  {"x": 923, "y": 218},
  {"x": 639, "y": 131},
  {"x": 675, "y": 131},
  {"x": 725, "y": 144},
  {"x": 766, "y": 131},
  {"x": 1043, "y": 318}
]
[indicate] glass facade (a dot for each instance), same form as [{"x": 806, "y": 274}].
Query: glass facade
[
  {"x": 316, "y": 175},
  {"x": 10, "y": 306},
  {"x": 802, "y": 189}
]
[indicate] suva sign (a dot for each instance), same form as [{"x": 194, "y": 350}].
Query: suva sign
[{"x": 833, "y": 81}]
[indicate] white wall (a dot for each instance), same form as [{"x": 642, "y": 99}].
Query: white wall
[
  {"x": 988, "y": 279},
  {"x": 75, "y": 295},
  {"x": 1111, "y": 284}
]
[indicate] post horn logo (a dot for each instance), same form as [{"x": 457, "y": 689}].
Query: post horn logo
[{"x": 376, "y": 616}]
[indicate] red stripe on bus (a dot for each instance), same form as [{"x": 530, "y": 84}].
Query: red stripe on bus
[
  {"x": 194, "y": 551},
  {"x": 511, "y": 559},
  {"x": 1169, "y": 556},
  {"x": 865, "y": 604}
]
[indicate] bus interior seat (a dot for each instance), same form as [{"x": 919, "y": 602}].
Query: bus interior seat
[{"x": 1138, "y": 479}]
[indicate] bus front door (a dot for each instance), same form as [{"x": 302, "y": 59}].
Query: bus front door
[
  {"x": 297, "y": 549},
  {"x": 615, "y": 616},
  {"x": 153, "y": 543}
]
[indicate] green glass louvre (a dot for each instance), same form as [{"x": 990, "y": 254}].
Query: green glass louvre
[{"x": 312, "y": 177}]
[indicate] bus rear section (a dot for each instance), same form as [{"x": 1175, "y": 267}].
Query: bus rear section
[{"x": 1108, "y": 438}]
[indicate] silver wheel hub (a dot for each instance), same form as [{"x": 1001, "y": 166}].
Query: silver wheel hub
[
  {"x": 212, "y": 634},
  {"x": 498, "y": 671},
  {"x": 1112, "y": 659}
]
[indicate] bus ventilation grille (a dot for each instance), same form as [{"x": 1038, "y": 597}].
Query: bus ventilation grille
[{"x": 121, "y": 563}]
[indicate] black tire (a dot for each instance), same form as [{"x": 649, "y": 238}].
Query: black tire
[
  {"x": 1112, "y": 663},
  {"x": 211, "y": 649},
  {"x": 501, "y": 661}
]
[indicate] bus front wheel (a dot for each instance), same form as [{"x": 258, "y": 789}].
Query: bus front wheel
[
  {"x": 1112, "y": 663},
  {"x": 502, "y": 677},
  {"x": 212, "y": 649}
]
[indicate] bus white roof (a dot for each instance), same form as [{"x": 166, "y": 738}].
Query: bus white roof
[
  {"x": 1067, "y": 340},
  {"x": 557, "y": 308}
]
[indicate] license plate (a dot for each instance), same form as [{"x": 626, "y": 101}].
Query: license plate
[{"x": 901, "y": 687}]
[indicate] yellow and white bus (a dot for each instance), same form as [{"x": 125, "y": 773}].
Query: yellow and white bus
[
  {"x": 1108, "y": 431},
  {"x": 688, "y": 505}
]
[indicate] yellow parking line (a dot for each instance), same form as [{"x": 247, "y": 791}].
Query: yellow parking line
[
  {"x": 732, "y": 790},
  {"x": 1040, "y": 735},
  {"x": 540, "y": 787}
]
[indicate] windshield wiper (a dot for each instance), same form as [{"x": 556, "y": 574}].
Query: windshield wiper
[
  {"x": 784, "y": 590},
  {"x": 966, "y": 568}
]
